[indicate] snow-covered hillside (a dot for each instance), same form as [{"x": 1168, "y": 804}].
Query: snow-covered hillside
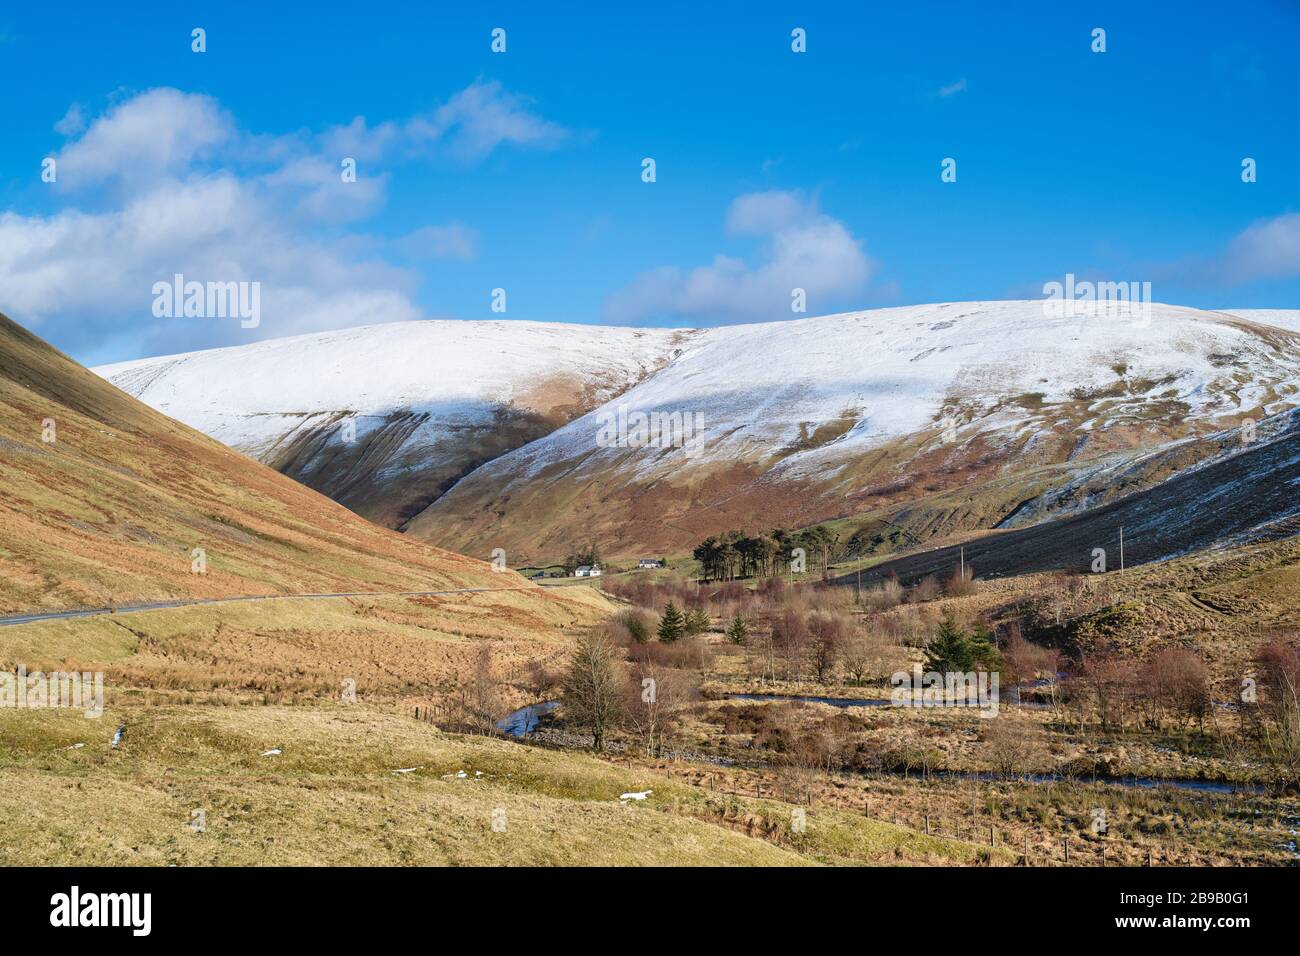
[
  {"x": 498, "y": 432},
  {"x": 814, "y": 404},
  {"x": 415, "y": 404},
  {"x": 1282, "y": 318}
]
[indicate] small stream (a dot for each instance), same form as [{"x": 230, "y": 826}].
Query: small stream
[
  {"x": 833, "y": 701},
  {"x": 524, "y": 721},
  {"x": 1141, "y": 783}
]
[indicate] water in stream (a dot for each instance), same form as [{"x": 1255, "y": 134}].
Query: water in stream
[{"x": 524, "y": 721}]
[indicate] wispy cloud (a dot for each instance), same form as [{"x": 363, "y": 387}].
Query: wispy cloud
[
  {"x": 73, "y": 122},
  {"x": 803, "y": 248},
  {"x": 953, "y": 88},
  {"x": 1268, "y": 249}
]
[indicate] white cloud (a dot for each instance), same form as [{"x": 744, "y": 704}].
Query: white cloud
[
  {"x": 159, "y": 133},
  {"x": 802, "y": 248},
  {"x": 469, "y": 126},
  {"x": 175, "y": 186},
  {"x": 73, "y": 122},
  {"x": 1268, "y": 249},
  {"x": 481, "y": 117},
  {"x": 953, "y": 88},
  {"x": 89, "y": 276}
]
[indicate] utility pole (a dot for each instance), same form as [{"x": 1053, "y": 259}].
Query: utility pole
[
  {"x": 963, "y": 563},
  {"x": 1121, "y": 549}
]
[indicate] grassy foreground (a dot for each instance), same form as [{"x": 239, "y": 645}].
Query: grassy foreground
[
  {"x": 204, "y": 691},
  {"x": 332, "y": 797}
]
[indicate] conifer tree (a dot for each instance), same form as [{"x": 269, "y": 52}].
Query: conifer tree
[
  {"x": 672, "y": 624},
  {"x": 697, "y": 621},
  {"x": 738, "y": 630}
]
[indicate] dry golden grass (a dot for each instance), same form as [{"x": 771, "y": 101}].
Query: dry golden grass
[
  {"x": 286, "y": 650},
  {"x": 332, "y": 798},
  {"x": 204, "y": 691}
]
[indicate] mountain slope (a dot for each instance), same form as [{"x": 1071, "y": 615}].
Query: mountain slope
[
  {"x": 1244, "y": 494},
  {"x": 385, "y": 418},
  {"x": 478, "y": 435},
  {"x": 111, "y": 509},
  {"x": 825, "y": 417}
]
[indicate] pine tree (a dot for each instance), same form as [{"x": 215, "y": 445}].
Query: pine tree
[
  {"x": 956, "y": 650},
  {"x": 672, "y": 624},
  {"x": 738, "y": 631},
  {"x": 697, "y": 621}
]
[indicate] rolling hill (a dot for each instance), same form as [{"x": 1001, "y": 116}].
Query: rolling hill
[
  {"x": 1241, "y": 493},
  {"x": 385, "y": 418},
  {"x": 800, "y": 421},
  {"x": 828, "y": 417}
]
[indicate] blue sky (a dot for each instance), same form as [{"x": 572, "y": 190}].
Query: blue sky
[{"x": 522, "y": 170}]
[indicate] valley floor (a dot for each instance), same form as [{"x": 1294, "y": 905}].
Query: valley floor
[
  {"x": 242, "y": 745},
  {"x": 237, "y": 749}
]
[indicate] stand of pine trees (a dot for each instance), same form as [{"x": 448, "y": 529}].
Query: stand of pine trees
[{"x": 736, "y": 554}]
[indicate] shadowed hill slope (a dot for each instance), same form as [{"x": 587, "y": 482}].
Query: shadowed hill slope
[{"x": 1239, "y": 497}]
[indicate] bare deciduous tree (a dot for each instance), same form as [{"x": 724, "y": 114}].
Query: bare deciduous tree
[
  {"x": 653, "y": 695},
  {"x": 1015, "y": 745},
  {"x": 593, "y": 686},
  {"x": 1279, "y": 664}
]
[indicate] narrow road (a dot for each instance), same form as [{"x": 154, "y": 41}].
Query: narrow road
[{"x": 164, "y": 605}]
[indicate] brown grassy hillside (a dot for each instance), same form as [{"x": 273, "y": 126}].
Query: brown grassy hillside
[{"x": 110, "y": 510}]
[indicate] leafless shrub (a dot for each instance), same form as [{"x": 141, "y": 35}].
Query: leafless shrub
[
  {"x": 1278, "y": 706},
  {"x": 927, "y": 589},
  {"x": 961, "y": 583},
  {"x": 653, "y": 697},
  {"x": 1177, "y": 682},
  {"x": 827, "y": 634},
  {"x": 1014, "y": 746},
  {"x": 888, "y": 594}
]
